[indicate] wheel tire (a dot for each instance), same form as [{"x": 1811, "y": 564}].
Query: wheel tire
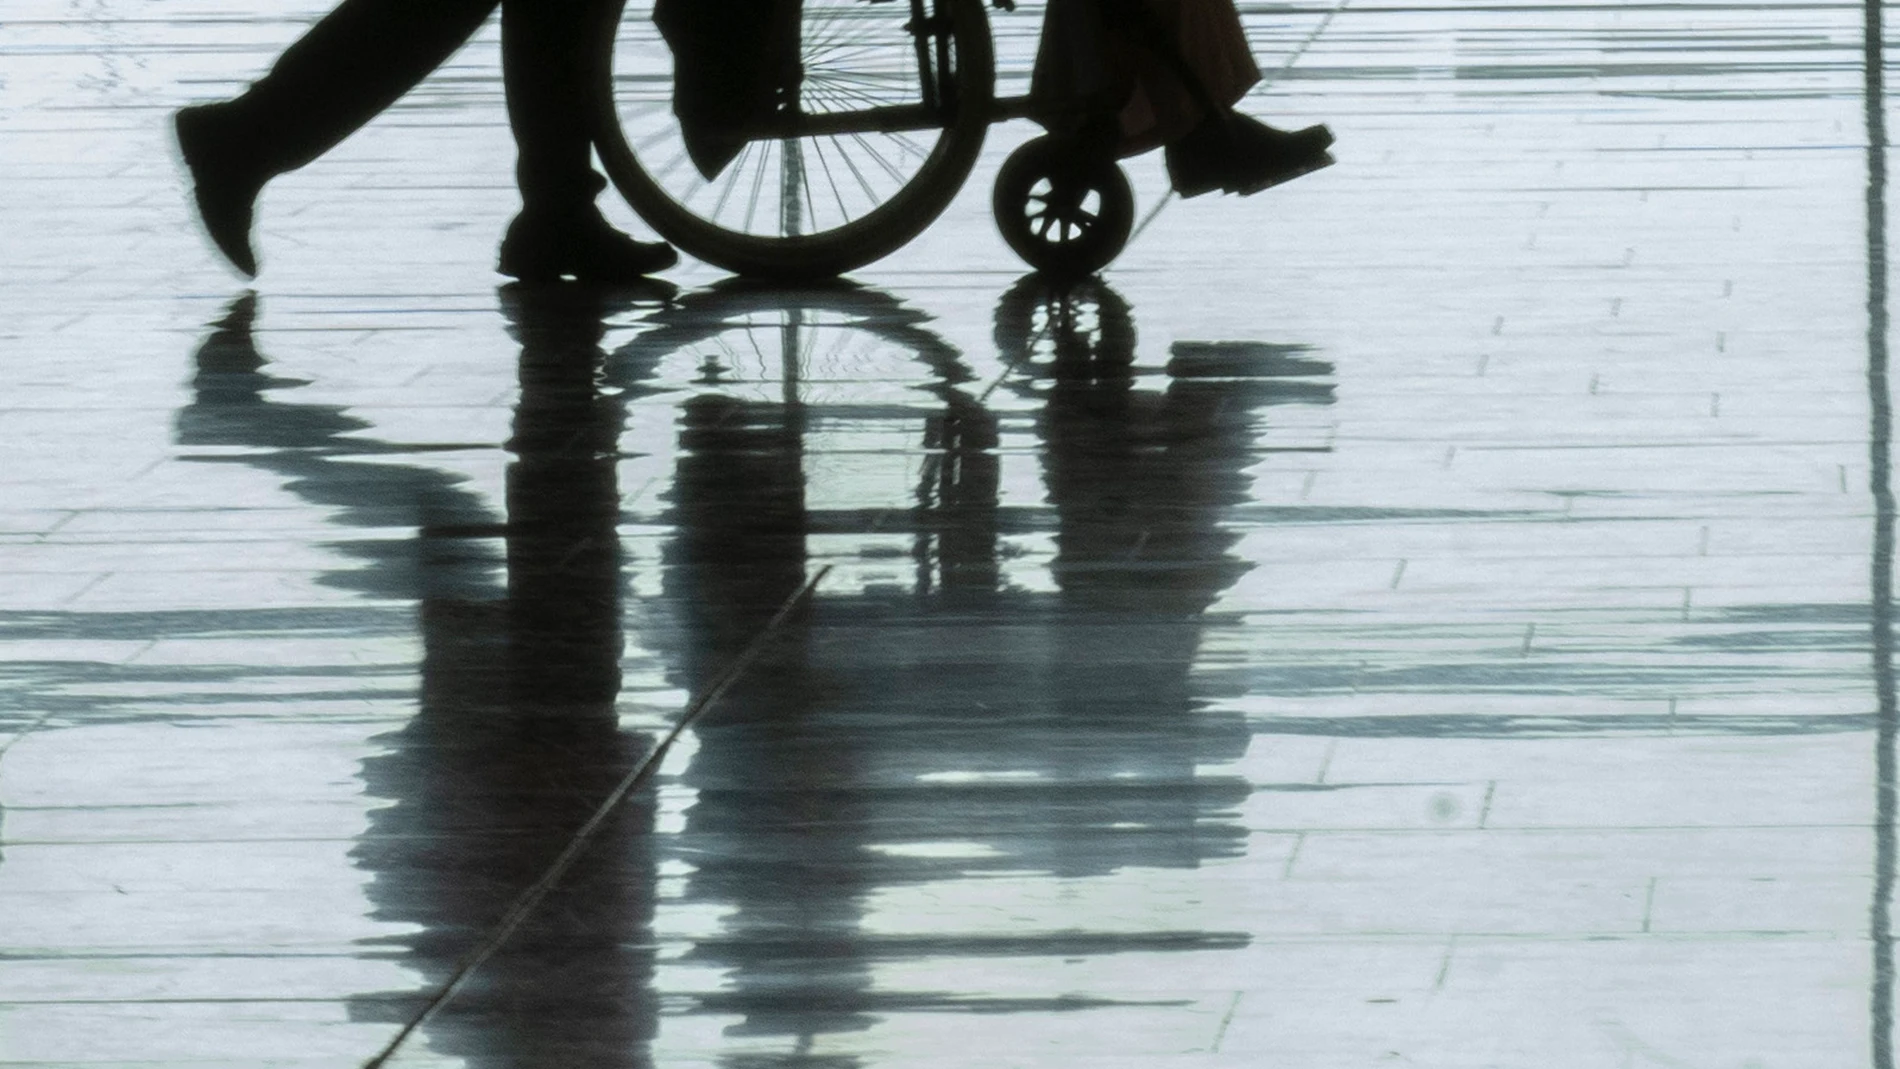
[
  {"x": 878, "y": 232},
  {"x": 1064, "y": 218}
]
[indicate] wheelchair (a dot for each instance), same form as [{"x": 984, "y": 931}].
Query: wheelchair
[{"x": 878, "y": 118}]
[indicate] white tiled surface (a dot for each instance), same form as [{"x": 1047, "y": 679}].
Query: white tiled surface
[{"x": 1533, "y": 721}]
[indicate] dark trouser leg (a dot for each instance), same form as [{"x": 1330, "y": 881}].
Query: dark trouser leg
[
  {"x": 553, "y": 52},
  {"x": 351, "y": 65}
]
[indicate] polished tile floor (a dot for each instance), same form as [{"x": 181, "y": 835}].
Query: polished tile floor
[{"x": 1432, "y": 614}]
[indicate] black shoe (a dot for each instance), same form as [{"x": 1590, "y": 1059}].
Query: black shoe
[
  {"x": 544, "y": 246},
  {"x": 1268, "y": 157},
  {"x": 1237, "y": 154},
  {"x": 224, "y": 183}
]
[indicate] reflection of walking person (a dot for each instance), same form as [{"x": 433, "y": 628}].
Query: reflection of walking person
[{"x": 364, "y": 55}]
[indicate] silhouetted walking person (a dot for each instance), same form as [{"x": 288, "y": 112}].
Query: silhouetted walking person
[{"x": 364, "y": 55}]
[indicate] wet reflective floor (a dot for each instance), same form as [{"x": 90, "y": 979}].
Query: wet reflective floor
[{"x": 1434, "y": 613}]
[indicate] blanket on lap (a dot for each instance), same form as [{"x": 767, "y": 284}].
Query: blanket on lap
[{"x": 735, "y": 63}]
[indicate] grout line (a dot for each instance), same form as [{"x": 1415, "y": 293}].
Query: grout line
[
  {"x": 525, "y": 904},
  {"x": 17, "y": 736},
  {"x": 1226, "y": 1019},
  {"x": 86, "y": 587},
  {"x": 1444, "y": 966}
]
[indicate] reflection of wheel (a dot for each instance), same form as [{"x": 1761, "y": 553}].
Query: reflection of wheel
[
  {"x": 1057, "y": 329},
  {"x": 834, "y": 345},
  {"x": 880, "y": 134},
  {"x": 1063, "y": 215},
  {"x": 761, "y": 377}
]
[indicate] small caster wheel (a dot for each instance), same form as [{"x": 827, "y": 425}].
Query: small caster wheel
[{"x": 1064, "y": 214}]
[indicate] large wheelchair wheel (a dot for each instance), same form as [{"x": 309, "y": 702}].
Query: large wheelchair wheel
[{"x": 891, "y": 106}]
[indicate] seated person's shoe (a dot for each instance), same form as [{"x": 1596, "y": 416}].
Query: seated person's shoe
[
  {"x": 1198, "y": 162},
  {"x": 225, "y": 182},
  {"x": 1268, "y": 157},
  {"x": 1238, "y": 154},
  {"x": 544, "y": 246}
]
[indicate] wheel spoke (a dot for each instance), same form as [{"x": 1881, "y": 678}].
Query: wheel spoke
[
  {"x": 831, "y": 180},
  {"x": 733, "y": 171},
  {"x": 804, "y": 186},
  {"x": 665, "y": 170},
  {"x": 758, "y": 183},
  {"x": 852, "y": 57},
  {"x": 879, "y": 157},
  {"x": 851, "y": 165}
]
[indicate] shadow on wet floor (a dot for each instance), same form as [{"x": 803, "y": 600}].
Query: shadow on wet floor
[{"x": 1056, "y": 732}]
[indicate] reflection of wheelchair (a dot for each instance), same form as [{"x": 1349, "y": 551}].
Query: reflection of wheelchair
[{"x": 875, "y": 124}]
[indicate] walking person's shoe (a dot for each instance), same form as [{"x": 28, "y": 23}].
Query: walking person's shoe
[
  {"x": 1238, "y": 154},
  {"x": 543, "y": 246},
  {"x": 225, "y": 183}
]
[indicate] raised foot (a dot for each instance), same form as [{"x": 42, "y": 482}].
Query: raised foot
[{"x": 224, "y": 184}]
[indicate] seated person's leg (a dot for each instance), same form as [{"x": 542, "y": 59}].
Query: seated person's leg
[
  {"x": 1191, "y": 64},
  {"x": 732, "y": 62},
  {"x": 1084, "y": 74},
  {"x": 1224, "y": 149}
]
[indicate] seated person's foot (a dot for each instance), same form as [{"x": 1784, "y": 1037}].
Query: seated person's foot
[
  {"x": 542, "y": 246},
  {"x": 1242, "y": 155},
  {"x": 225, "y": 181},
  {"x": 1270, "y": 157}
]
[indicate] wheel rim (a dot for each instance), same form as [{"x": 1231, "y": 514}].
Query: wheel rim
[
  {"x": 822, "y": 197},
  {"x": 1058, "y": 216}
]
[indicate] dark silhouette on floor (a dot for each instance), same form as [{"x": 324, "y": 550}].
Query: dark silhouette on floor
[
  {"x": 1077, "y": 709},
  {"x": 367, "y": 53},
  {"x": 516, "y": 737}
]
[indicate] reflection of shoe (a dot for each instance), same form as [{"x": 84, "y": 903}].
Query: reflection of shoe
[
  {"x": 1243, "y": 155},
  {"x": 224, "y": 183},
  {"x": 544, "y": 246}
]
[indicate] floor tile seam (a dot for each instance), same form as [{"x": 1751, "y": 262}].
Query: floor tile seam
[
  {"x": 1436, "y": 937},
  {"x": 1551, "y": 828},
  {"x": 350, "y": 950},
  {"x": 529, "y": 901},
  {"x": 1533, "y": 830},
  {"x": 1628, "y": 931},
  {"x": 7, "y": 743},
  {"x": 230, "y": 1000},
  {"x": 328, "y": 840}
]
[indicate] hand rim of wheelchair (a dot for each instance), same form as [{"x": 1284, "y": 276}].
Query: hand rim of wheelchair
[
  {"x": 877, "y": 233},
  {"x": 1043, "y": 186}
]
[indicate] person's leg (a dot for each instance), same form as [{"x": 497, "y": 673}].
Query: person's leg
[
  {"x": 551, "y": 52},
  {"x": 1196, "y": 67},
  {"x": 554, "y": 53},
  {"x": 351, "y": 65}
]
